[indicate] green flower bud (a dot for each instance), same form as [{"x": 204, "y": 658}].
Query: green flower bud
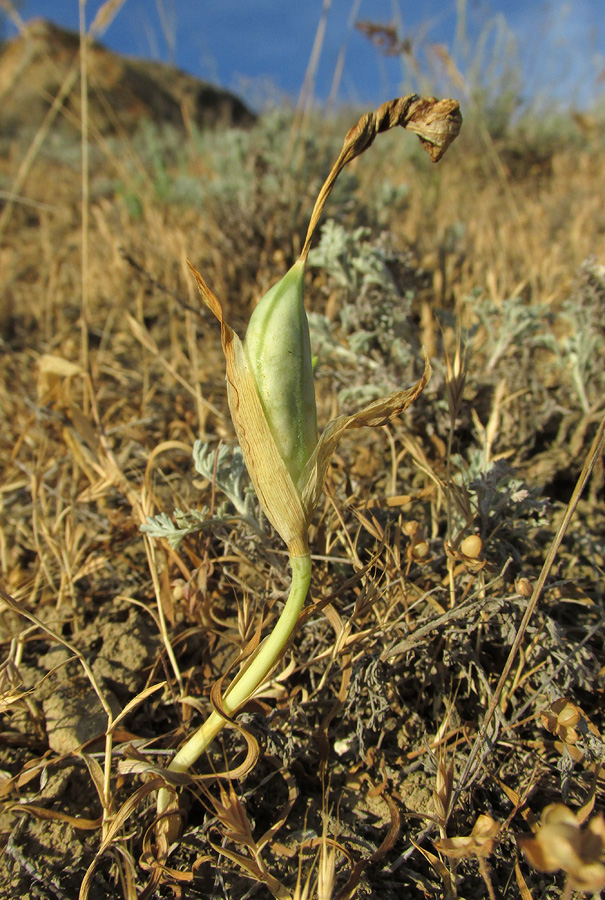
[{"x": 278, "y": 351}]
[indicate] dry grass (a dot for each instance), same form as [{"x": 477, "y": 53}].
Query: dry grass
[{"x": 401, "y": 716}]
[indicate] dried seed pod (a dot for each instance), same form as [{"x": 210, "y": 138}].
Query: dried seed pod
[
  {"x": 480, "y": 842},
  {"x": 410, "y": 528},
  {"x": 524, "y": 587},
  {"x": 561, "y": 843},
  {"x": 421, "y": 549},
  {"x": 471, "y": 546}
]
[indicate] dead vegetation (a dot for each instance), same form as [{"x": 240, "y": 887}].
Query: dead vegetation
[{"x": 446, "y": 683}]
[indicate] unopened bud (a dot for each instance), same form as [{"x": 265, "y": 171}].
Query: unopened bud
[{"x": 278, "y": 350}]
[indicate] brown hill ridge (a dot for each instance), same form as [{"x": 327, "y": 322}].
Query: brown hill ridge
[{"x": 123, "y": 91}]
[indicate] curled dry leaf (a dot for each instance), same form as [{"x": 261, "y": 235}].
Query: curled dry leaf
[
  {"x": 480, "y": 842},
  {"x": 560, "y": 843},
  {"x": 436, "y": 122},
  {"x": 380, "y": 412}
]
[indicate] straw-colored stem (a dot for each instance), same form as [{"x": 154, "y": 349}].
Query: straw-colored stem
[{"x": 249, "y": 680}]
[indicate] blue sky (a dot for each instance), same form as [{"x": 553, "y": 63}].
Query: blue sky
[{"x": 261, "y": 48}]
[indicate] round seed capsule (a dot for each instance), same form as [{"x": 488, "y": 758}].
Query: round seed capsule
[
  {"x": 421, "y": 549},
  {"x": 471, "y": 546}
]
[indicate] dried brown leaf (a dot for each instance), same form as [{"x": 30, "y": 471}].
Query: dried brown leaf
[
  {"x": 480, "y": 842},
  {"x": 439, "y": 868}
]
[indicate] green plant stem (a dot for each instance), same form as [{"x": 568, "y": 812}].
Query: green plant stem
[{"x": 250, "y": 678}]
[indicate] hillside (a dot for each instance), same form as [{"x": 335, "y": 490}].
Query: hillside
[{"x": 122, "y": 91}]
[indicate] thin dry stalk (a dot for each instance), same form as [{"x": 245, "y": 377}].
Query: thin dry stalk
[
  {"x": 85, "y": 204},
  {"x": 39, "y": 138},
  {"x": 101, "y": 23},
  {"x": 12, "y": 13},
  {"x": 20, "y": 610},
  {"x": 340, "y": 61},
  {"x": 455, "y": 380},
  {"x": 305, "y": 98}
]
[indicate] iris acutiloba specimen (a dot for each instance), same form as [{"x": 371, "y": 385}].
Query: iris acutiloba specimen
[{"x": 272, "y": 402}]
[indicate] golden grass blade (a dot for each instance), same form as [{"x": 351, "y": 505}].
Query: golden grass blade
[
  {"x": 136, "y": 701},
  {"x": 104, "y": 17},
  {"x": 12, "y": 13},
  {"x": 254, "y": 871},
  {"x": 525, "y": 892},
  {"x": 350, "y": 889},
  {"x": 113, "y": 830},
  {"x": 53, "y": 815},
  {"x": 284, "y": 812}
]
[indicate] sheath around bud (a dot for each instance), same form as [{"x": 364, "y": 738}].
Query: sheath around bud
[{"x": 278, "y": 351}]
